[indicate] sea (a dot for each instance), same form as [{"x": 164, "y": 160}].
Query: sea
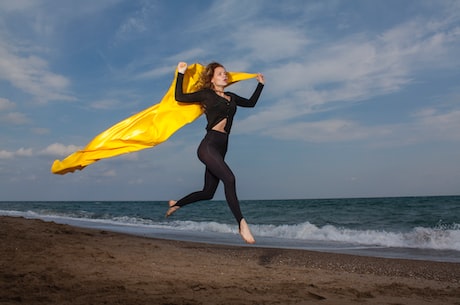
[{"x": 418, "y": 228}]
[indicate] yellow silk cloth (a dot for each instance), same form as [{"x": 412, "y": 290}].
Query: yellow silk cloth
[{"x": 145, "y": 129}]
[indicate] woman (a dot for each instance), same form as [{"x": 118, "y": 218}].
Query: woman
[{"x": 220, "y": 107}]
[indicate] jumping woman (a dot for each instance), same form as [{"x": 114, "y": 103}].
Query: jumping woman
[{"x": 220, "y": 108}]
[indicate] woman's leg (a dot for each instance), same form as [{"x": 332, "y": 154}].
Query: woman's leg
[
  {"x": 207, "y": 193},
  {"x": 210, "y": 184},
  {"x": 219, "y": 168},
  {"x": 211, "y": 152},
  {"x": 213, "y": 157}
]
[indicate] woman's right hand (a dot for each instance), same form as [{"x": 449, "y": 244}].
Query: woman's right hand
[{"x": 181, "y": 67}]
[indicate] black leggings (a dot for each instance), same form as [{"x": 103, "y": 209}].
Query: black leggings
[{"x": 212, "y": 152}]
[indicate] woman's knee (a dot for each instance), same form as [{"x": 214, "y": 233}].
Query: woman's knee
[
  {"x": 208, "y": 194},
  {"x": 229, "y": 179}
]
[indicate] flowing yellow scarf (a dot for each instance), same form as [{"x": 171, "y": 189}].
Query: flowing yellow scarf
[{"x": 145, "y": 129}]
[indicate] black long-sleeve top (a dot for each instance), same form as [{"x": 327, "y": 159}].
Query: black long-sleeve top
[{"x": 216, "y": 107}]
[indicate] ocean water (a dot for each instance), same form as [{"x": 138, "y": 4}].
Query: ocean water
[{"x": 426, "y": 228}]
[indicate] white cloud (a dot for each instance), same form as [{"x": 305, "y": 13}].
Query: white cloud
[
  {"x": 227, "y": 13},
  {"x": 356, "y": 68},
  {"x": 32, "y": 75},
  {"x": 18, "y": 5},
  {"x": 16, "y": 118},
  {"x": 129, "y": 156},
  {"x": 6, "y": 104},
  {"x": 436, "y": 125},
  {"x": 421, "y": 43},
  {"x": 428, "y": 125},
  {"x": 58, "y": 149},
  {"x": 132, "y": 24},
  {"x": 109, "y": 173},
  {"x": 22, "y": 152},
  {"x": 324, "y": 84},
  {"x": 334, "y": 130},
  {"x": 188, "y": 54},
  {"x": 4, "y": 154},
  {"x": 105, "y": 104},
  {"x": 31, "y": 31},
  {"x": 156, "y": 72},
  {"x": 272, "y": 43},
  {"x": 137, "y": 22},
  {"x": 55, "y": 149}
]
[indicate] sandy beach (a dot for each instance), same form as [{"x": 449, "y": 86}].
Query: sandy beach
[{"x": 48, "y": 263}]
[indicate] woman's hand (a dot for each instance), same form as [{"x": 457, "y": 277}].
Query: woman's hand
[
  {"x": 181, "y": 67},
  {"x": 260, "y": 78}
]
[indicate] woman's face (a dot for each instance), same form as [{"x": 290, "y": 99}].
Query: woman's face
[{"x": 220, "y": 77}]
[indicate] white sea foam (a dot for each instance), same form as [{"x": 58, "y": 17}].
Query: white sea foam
[
  {"x": 422, "y": 238},
  {"x": 446, "y": 238},
  {"x": 439, "y": 238}
]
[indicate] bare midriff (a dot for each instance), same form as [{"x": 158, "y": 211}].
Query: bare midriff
[{"x": 220, "y": 126}]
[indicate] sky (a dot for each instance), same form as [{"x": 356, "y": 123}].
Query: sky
[{"x": 362, "y": 98}]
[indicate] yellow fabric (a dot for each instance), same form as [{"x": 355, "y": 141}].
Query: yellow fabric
[{"x": 145, "y": 129}]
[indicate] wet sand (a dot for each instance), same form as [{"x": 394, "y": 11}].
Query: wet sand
[{"x": 48, "y": 263}]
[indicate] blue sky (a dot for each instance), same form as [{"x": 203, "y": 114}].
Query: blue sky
[{"x": 362, "y": 98}]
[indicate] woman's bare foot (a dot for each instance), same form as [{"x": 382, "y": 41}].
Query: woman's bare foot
[
  {"x": 172, "y": 208},
  {"x": 246, "y": 233}
]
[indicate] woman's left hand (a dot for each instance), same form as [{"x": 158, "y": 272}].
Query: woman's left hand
[{"x": 260, "y": 78}]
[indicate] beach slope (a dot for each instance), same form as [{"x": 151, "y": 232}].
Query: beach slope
[{"x": 48, "y": 263}]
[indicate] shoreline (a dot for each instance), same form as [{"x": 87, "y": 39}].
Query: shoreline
[
  {"x": 49, "y": 263},
  {"x": 435, "y": 255}
]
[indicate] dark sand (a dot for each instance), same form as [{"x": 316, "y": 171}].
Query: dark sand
[{"x": 48, "y": 263}]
